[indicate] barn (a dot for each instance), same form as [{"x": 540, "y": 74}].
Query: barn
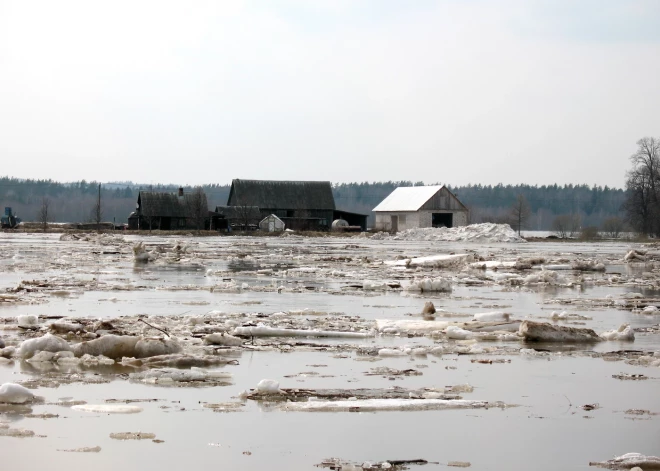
[
  {"x": 300, "y": 205},
  {"x": 420, "y": 206}
]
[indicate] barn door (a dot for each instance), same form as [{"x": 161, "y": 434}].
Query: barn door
[{"x": 395, "y": 223}]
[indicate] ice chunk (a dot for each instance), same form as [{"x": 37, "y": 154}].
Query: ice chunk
[
  {"x": 629, "y": 461},
  {"x": 430, "y": 285},
  {"x": 264, "y": 331},
  {"x": 223, "y": 339},
  {"x": 12, "y": 393},
  {"x": 268, "y": 386},
  {"x": 47, "y": 343},
  {"x": 148, "y": 347},
  {"x": 545, "y": 332},
  {"x": 111, "y": 346},
  {"x": 108, "y": 408},
  {"x": 29, "y": 320},
  {"x": 454, "y": 332},
  {"x": 391, "y": 352},
  {"x": 492, "y": 316},
  {"x": 374, "y": 405},
  {"x": 369, "y": 285},
  {"x": 624, "y": 332}
]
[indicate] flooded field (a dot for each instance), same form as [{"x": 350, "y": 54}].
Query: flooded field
[{"x": 294, "y": 353}]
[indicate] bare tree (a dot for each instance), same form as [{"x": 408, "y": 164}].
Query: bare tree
[
  {"x": 43, "y": 215},
  {"x": 520, "y": 213},
  {"x": 566, "y": 225},
  {"x": 643, "y": 184},
  {"x": 612, "y": 227},
  {"x": 197, "y": 207}
]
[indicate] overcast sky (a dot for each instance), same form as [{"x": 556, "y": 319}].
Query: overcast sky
[{"x": 462, "y": 91}]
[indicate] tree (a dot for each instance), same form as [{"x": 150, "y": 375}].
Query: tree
[
  {"x": 612, "y": 227},
  {"x": 197, "y": 207},
  {"x": 643, "y": 184},
  {"x": 43, "y": 215},
  {"x": 566, "y": 225},
  {"x": 519, "y": 213}
]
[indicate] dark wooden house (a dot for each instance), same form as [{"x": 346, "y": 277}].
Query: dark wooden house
[
  {"x": 170, "y": 211},
  {"x": 301, "y": 205}
]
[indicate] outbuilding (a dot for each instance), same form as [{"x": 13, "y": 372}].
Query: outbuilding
[{"x": 420, "y": 206}]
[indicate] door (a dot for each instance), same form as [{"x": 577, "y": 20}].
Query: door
[
  {"x": 395, "y": 223},
  {"x": 442, "y": 219}
]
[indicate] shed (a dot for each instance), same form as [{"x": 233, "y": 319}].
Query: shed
[
  {"x": 271, "y": 223},
  {"x": 420, "y": 206}
]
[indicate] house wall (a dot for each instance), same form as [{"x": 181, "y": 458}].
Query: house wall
[{"x": 410, "y": 219}]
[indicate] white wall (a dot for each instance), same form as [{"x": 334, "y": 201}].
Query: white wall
[{"x": 410, "y": 219}]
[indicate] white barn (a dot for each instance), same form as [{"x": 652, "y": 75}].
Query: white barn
[{"x": 420, "y": 206}]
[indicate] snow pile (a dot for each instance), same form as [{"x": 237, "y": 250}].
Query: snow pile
[
  {"x": 12, "y": 393},
  {"x": 624, "y": 332},
  {"x": 486, "y": 232}
]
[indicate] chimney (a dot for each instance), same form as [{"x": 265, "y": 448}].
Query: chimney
[{"x": 180, "y": 191}]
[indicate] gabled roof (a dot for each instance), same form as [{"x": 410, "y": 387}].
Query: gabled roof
[
  {"x": 272, "y": 194},
  {"x": 238, "y": 212},
  {"x": 408, "y": 198},
  {"x": 156, "y": 204}
]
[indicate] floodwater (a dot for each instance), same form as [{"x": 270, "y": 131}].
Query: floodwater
[{"x": 544, "y": 428}]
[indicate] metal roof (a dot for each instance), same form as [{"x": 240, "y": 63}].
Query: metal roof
[{"x": 408, "y": 198}]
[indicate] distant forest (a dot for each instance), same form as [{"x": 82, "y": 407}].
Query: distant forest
[{"x": 74, "y": 202}]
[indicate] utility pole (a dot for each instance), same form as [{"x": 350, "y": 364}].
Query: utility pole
[{"x": 98, "y": 211}]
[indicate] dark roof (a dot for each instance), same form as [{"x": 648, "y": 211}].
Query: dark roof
[
  {"x": 156, "y": 204},
  {"x": 271, "y": 194},
  {"x": 235, "y": 212}
]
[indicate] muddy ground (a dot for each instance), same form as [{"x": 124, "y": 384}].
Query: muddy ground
[{"x": 360, "y": 378}]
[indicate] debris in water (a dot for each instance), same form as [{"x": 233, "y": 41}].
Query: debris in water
[
  {"x": 132, "y": 436},
  {"x": 92, "y": 449}
]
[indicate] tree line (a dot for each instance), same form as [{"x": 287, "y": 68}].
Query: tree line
[{"x": 77, "y": 201}]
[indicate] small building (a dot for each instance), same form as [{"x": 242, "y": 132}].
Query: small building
[
  {"x": 420, "y": 206},
  {"x": 271, "y": 224},
  {"x": 170, "y": 211}
]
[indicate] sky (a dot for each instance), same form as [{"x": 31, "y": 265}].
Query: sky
[{"x": 448, "y": 91}]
